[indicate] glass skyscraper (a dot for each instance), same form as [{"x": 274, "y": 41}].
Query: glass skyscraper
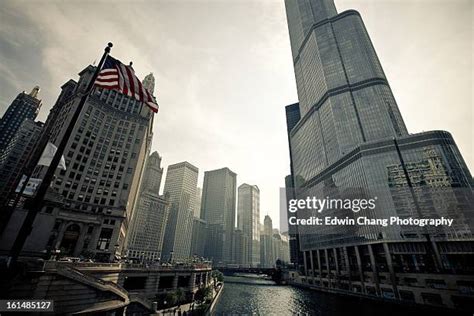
[
  {"x": 180, "y": 184},
  {"x": 248, "y": 221},
  {"x": 350, "y": 141},
  {"x": 218, "y": 210}
]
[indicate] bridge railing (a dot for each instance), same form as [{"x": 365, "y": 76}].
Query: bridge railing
[{"x": 53, "y": 265}]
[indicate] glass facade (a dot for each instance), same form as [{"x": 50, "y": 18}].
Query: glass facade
[
  {"x": 218, "y": 208},
  {"x": 344, "y": 141},
  {"x": 349, "y": 142},
  {"x": 441, "y": 187},
  {"x": 248, "y": 220},
  {"x": 180, "y": 184}
]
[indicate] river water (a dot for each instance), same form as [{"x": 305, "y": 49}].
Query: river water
[{"x": 256, "y": 296}]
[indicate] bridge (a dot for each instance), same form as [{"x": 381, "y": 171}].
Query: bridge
[
  {"x": 226, "y": 270},
  {"x": 275, "y": 274},
  {"x": 86, "y": 288}
]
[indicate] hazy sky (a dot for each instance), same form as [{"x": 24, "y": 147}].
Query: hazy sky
[{"x": 224, "y": 70}]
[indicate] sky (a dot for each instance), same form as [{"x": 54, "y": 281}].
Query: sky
[{"x": 224, "y": 71}]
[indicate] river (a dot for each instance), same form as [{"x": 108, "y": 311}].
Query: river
[{"x": 256, "y": 296}]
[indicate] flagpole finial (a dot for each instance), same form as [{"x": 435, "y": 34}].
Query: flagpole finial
[{"x": 109, "y": 46}]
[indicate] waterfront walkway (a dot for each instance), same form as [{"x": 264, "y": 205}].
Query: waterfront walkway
[{"x": 187, "y": 309}]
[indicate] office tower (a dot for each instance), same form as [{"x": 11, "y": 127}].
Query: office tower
[
  {"x": 67, "y": 92},
  {"x": 145, "y": 240},
  {"x": 296, "y": 256},
  {"x": 25, "y": 106},
  {"x": 248, "y": 219},
  {"x": 351, "y": 142},
  {"x": 199, "y": 237},
  {"x": 89, "y": 206},
  {"x": 180, "y": 184},
  {"x": 197, "y": 208},
  {"x": 153, "y": 173},
  {"x": 15, "y": 156},
  {"x": 150, "y": 215},
  {"x": 218, "y": 208},
  {"x": 292, "y": 118},
  {"x": 240, "y": 248},
  {"x": 267, "y": 257},
  {"x": 214, "y": 243},
  {"x": 267, "y": 225},
  {"x": 280, "y": 247}
]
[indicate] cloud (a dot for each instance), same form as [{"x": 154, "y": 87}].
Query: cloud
[{"x": 224, "y": 70}]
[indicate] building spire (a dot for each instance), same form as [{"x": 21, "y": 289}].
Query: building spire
[{"x": 34, "y": 92}]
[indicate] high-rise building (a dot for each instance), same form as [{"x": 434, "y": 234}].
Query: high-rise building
[
  {"x": 199, "y": 237},
  {"x": 267, "y": 257},
  {"x": 214, "y": 243},
  {"x": 15, "y": 156},
  {"x": 67, "y": 92},
  {"x": 153, "y": 173},
  {"x": 145, "y": 237},
  {"x": 280, "y": 247},
  {"x": 267, "y": 225},
  {"x": 218, "y": 208},
  {"x": 90, "y": 204},
  {"x": 240, "y": 248},
  {"x": 197, "y": 208},
  {"x": 180, "y": 184},
  {"x": 25, "y": 106},
  {"x": 248, "y": 220},
  {"x": 296, "y": 256},
  {"x": 351, "y": 142}
]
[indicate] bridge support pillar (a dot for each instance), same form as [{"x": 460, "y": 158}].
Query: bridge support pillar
[
  {"x": 175, "y": 282},
  {"x": 305, "y": 264},
  {"x": 347, "y": 267},
  {"x": 326, "y": 256},
  {"x": 312, "y": 265},
  {"x": 359, "y": 264},
  {"x": 320, "y": 268}
]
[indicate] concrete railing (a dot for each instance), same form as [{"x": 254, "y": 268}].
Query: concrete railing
[
  {"x": 53, "y": 265},
  {"x": 77, "y": 275}
]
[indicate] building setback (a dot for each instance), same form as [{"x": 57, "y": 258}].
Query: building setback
[
  {"x": 351, "y": 142},
  {"x": 218, "y": 209},
  {"x": 180, "y": 184},
  {"x": 89, "y": 206}
]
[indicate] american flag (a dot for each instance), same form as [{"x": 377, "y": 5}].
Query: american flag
[{"x": 116, "y": 76}]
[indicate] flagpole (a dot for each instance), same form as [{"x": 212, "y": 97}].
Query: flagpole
[{"x": 35, "y": 205}]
